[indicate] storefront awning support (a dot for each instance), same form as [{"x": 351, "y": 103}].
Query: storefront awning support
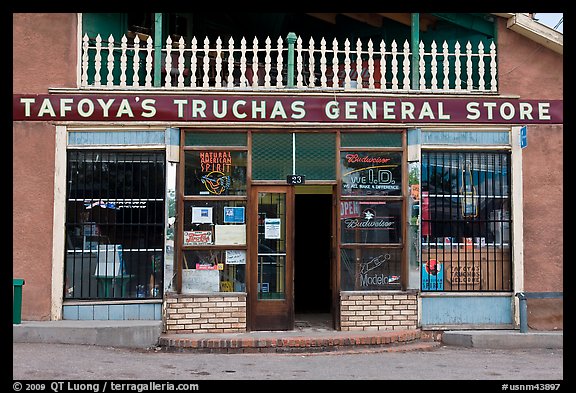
[
  {"x": 291, "y": 38},
  {"x": 415, "y": 36}
]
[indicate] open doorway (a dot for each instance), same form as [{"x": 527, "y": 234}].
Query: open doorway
[{"x": 312, "y": 244}]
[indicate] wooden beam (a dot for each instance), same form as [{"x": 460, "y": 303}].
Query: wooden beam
[
  {"x": 406, "y": 19},
  {"x": 326, "y": 17},
  {"x": 374, "y": 20}
]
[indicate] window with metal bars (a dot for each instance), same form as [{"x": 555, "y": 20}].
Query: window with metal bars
[
  {"x": 114, "y": 224},
  {"x": 466, "y": 221}
]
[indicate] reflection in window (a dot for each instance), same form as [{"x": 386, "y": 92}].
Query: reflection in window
[
  {"x": 114, "y": 225},
  {"x": 465, "y": 210}
]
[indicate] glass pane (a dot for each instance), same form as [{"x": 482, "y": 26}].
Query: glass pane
[
  {"x": 371, "y": 139},
  {"x": 203, "y": 221},
  {"x": 214, "y": 271},
  {"x": 215, "y": 172},
  {"x": 370, "y": 269},
  {"x": 271, "y": 156},
  {"x": 466, "y": 221},
  {"x": 315, "y": 155},
  {"x": 114, "y": 225},
  {"x": 371, "y": 173},
  {"x": 215, "y": 139},
  {"x": 371, "y": 221},
  {"x": 271, "y": 245}
]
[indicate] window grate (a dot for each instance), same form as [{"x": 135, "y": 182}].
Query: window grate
[
  {"x": 466, "y": 221},
  {"x": 114, "y": 225}
]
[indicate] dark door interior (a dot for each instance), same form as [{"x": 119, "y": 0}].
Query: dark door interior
[{"x": 313, "y": 229}]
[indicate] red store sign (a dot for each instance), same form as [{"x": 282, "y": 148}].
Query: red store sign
[{"x": 273, "y": 108}]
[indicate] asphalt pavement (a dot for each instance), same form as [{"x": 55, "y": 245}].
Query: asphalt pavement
[{"x": 69, "y": 362}]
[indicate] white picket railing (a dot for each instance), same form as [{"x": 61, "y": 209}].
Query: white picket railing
[{"x": 384, "y": 67}]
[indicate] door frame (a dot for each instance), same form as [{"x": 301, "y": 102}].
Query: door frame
[{"x": 267, "y": 314}]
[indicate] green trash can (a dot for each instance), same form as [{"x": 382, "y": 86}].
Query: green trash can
[{"x": 17, "y": 311}]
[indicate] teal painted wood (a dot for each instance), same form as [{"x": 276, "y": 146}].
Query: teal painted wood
[
  {"x": 415, "y": 39},
  {"x": 157, "y": 49},
  {"x": 477, "y": 310},
  {"x": 135, "y": 137},
  {"x": 465, "y": 138},
  {"x": 291, "y": 38}
]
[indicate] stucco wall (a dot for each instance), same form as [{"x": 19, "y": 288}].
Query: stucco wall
[
  {"x": 533, "y": 71},
  {"x": 39, "y": 63}
]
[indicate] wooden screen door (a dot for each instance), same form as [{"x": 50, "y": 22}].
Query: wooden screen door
[{"x": 271, "y": 296}]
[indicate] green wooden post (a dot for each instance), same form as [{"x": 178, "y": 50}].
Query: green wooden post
[
  {"x": 17, "y": 305},
  {"x": 291, "y": 38},
  {"x": 158, "y": 49},
  {"x": 415, "y": 34}
]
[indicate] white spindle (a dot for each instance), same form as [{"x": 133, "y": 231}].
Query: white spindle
[
  {"x": 98, "y": 60},
  {"x": 243, "y": 80},
  {"x": 346, "y": 64},
  {"x": 481, "y": 86},
  {"x": 323, "y": 62},
  {"x": 311, "y": 64},
  {"x": 181, "y": 62},
  {"x": 193, "y": 62},
  {"x": 469, "y": 66},
  {"x": 493, "y": 82},
  {"x": 123, "y": 60},
  {"x": 168, "y": 63},
  {"x": 383, "y": 65},
  {"x": 110, "y": 78},
  {"x": 279, "y": 63},
  {"x": 299, "y": 61},
  {"x": 148, "y": 79},
  {"x": 136, "y": 62},
  {"x": 370, "y": 64},
  {"x": 230, "y": 62},
  {"x": 394, "y": 66},
  {"x": 255, "y": 62},
  {"x": 110, "y": 62},
  {"x": 434, "y": 66},
  {"x": 358, "y": 64},
  {"x": 422, "y": 66},
  {"x": 406, "y": 66},
  {"x": 206, "y": 63},
  {"x": 267, "y": 62},
  {"x": 446, "y": 64},
  {"x": 84, "y": 78},
  {"x": 335, "y": 63},
  {"x": 457, "y": 66},
  {"x": 218, "y": 77}
]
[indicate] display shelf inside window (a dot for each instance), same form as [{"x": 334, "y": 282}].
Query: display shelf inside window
[{"x": 206, "y": 271}]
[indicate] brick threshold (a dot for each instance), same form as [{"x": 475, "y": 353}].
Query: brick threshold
[{"x": 255, "y": 342}]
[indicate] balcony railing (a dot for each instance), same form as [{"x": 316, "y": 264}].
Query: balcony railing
[{"x": 365, "y": 66}]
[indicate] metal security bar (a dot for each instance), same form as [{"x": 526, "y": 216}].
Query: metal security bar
[
  {"x": 466, "y": 221},
  {"x": 114, "y": 224}
]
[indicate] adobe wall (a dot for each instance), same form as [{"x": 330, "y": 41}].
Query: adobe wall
[
  {"x": 39, "y": 62},
  {"x": 533, "y": 71}
]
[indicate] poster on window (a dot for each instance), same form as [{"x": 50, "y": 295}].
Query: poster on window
[
  {"x": 432, "y": 275},
  {"x": 201, "y": 215},
  {"x": 197, "y": 238},
  {"x": 234, "y": 215},
  {"x": 271, "y": 228}
]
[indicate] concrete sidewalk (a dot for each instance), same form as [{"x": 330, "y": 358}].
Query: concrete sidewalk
[{"x": 147, "y": 334}]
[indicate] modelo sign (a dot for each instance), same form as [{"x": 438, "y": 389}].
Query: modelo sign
[{"x": 284, "y": 108}]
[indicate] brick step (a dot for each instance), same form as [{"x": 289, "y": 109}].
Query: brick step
[{"x": 294, "y": 341}]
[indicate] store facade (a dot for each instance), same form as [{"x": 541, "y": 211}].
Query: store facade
[{"x": 219, "y": 210}]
